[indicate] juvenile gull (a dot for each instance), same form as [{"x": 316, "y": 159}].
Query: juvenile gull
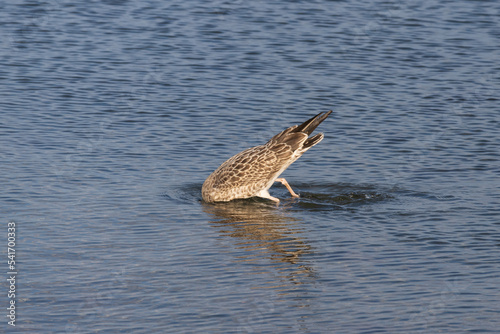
[{"x": 252, "y": 172}]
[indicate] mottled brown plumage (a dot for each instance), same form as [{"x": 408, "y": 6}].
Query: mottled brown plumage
[{"x": 252, "y": 172}]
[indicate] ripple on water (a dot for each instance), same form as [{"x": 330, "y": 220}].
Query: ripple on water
[{"x": 336, "y": 196}]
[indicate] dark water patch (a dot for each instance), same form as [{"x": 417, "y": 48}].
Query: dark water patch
[
  {"x": 340, "y": 196},
  {"x": 329, "y": 196},
  {"x": 188, "y": 194}
]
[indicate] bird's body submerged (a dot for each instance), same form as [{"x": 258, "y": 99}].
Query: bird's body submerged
[{"x": 252, "y": 172}]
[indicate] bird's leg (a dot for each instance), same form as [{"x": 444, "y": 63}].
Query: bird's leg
[
  {"x": 283, "y": 182},
  {"x": 276, "y": 200},
  {"x": 265, "y": 194}
]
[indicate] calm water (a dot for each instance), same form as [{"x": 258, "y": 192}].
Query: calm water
[{"x": 114, "y": 112}]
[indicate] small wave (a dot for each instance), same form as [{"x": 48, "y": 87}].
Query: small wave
[
  {"x": 321, "y": 196},
  {"x": 341, "y": 195}
]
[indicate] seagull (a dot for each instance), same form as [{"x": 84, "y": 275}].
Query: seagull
[{"x": 252, "y": 172}]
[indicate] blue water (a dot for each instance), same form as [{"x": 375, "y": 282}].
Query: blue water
[{"x": 114, "y": 112}]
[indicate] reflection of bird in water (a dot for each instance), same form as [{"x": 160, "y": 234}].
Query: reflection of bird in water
[
  {"x": 265, "y": 231},
  {"x": 252, "y": 172}
]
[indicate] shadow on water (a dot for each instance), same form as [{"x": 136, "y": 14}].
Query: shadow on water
[
  {"x": 265, "y": 233},
  {"x": 335, "y": 196},
  {"x": 264, "y": 230},
  {"x": 339, "y": 196}
]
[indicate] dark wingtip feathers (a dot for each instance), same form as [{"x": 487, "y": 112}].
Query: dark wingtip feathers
[
  {"x": 310, "y": 142},
  {"x": 295, "y": 135},
  {"x": 311, "y": 124}
]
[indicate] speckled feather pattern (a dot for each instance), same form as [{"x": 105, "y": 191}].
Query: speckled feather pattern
[{"x": 255, "y": 169}]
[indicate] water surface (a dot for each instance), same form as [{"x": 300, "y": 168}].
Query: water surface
[{"x": 114, "y": 113}]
